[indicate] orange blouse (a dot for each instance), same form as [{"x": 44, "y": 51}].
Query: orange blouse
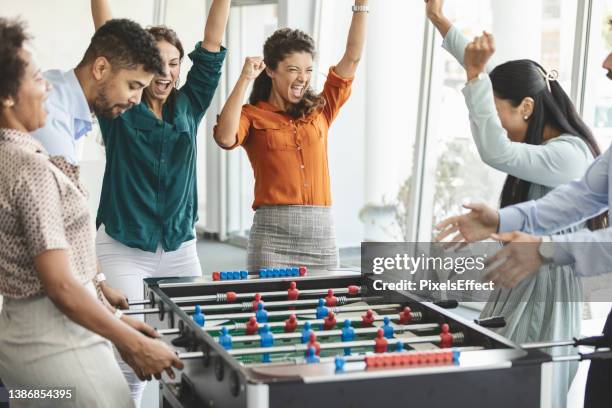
[{"x": 289, "y": 156}]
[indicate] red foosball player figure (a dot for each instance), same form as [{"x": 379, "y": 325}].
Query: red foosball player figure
[
  {"x": 252, "y": 326},
  {"x": 330, "y": 321},
  {"x": 256, "y": 301},
  {"x": 446, "y": 338},
  {"x": 380, "y": 342},
  {"x": 330, "y": 299},
  {"x": 292, "y": 292},
  {"x": 312, "y": 342},
  {"x": 405, "y": 316},
  {"x": 367, "y": 320},
  {"x": 290, "y": 324}
]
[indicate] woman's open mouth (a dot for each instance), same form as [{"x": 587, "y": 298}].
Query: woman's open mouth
[
  {"x": 162, "y": 85},
  {"x": 297, "y": 91}
]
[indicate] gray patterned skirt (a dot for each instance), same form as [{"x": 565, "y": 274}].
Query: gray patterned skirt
[{"x": 292, "y": 235}]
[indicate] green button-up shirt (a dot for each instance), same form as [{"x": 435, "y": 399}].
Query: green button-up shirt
[{"x": 149, "y": 192}]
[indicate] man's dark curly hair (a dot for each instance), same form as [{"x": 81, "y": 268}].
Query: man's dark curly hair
[
  {"x": 277, "y": 47},
  {"x": 12, "y": 66},
  {"x": 126, "y": 45}
]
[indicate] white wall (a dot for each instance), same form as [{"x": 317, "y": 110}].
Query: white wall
[
  {"x": 347, "y": 133},
  {"x": 61, "y": 33},
  {"x": 371, "y": 141}
]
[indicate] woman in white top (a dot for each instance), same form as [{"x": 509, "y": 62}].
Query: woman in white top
[{"x": 525, "y": 125}]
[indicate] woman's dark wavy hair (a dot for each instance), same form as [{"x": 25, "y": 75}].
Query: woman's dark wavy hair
[
  {"x": 163, "y": 33},
  {"x": 514, "y": 81},
  {"x": 277, "y": 47}
]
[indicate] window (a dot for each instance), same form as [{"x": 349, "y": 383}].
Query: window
[
  {"x": 454, "y": 172},
  {"x": 248, "y": 28},
  {"x": 60, "y": 42},
  {"x": 598, "y": 88},
  {"x": 188, "y": 18}
]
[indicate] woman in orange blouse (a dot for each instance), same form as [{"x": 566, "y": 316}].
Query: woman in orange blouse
[{"x": 284, "y": 132}]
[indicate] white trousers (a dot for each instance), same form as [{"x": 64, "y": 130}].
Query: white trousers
[
  {"x": 41, "y": 348},
  {"x": 125, "y": 268}
]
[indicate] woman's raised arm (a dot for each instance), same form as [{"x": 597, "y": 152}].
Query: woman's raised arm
[
  {"x": 215, "y": 25},
  {"x": 101, "y": 12},
  {"x": 354, "y": 46}
]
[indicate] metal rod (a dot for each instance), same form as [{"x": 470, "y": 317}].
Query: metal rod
[
  {"x": 416, "y": 316},
  {"x": 337, "y": 332},
  {"x": 285, "y": 313},
  {"x": 139, "y": 302},
  {"x": 190, "y": 355},
  {"x": 222, "y": 297},
  {"x": 545, "y": 344},
  {"x": 353, "y": 358},
  {"x": 562, "y": 359},
  {"x": 141, "y": 311},
  {"x": 229, "y": 316},
  {"x": 458, "y": 337},
  {"x": 601, "y": 353},
  {"x": 165, "y": 332},
  {"x": 245, "y": 306}
]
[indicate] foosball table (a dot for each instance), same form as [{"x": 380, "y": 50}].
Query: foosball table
[{"x": 282, "y": 338}]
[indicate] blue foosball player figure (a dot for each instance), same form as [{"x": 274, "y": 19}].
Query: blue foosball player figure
[
  {"x": 266, "y": 340},
  {"x": 306, "y": 330},
  {"x": 225, "y": 339},
  {"x": 321, "y": 309},
  {"x": 311, "y": 356},
  {"x": 339, "y": 363},
  {"x": 261, "y": 314},
  {"x": 387, "y": 328},
  {"x": 348, "y": 334},
  {"x": 198, "y": 316}
]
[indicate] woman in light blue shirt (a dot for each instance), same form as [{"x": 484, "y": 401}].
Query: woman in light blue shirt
[{"x": 525, "y": 125}]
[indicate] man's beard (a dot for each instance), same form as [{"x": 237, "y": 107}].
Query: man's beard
[{"x": 102, "y": 106}]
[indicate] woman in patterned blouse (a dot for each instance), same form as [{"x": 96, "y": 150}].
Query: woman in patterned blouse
[{"x": 51, "y": 325}]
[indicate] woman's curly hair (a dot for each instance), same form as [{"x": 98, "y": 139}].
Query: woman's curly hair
[
  {"x": 277, "y": 47},
  {"x": 12, "y": 66}
]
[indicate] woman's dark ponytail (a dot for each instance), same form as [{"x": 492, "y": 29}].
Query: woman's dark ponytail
[{"x": 516, "y": 80}]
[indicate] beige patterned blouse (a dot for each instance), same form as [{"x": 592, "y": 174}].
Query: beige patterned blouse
[{"x": 42, "y": 207}]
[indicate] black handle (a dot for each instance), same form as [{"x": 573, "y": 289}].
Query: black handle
[
  {"x": 597, "y": 355},
  {"x": 596, "y": 341},
  {"x": 184, "y": 341},
  {"x": 447, "y": 304},
  {"x": 494, "y": 322}
]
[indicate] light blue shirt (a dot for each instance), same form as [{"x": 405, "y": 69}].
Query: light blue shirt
[
  {"x": 571, "y": 204},
  {"x": 559, "y": 161},
  {"x": 69, "y": 117}
]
